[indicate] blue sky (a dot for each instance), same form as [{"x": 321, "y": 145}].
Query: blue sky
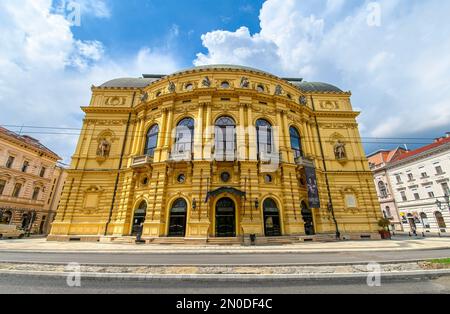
[{"x": 394, "y": 55}]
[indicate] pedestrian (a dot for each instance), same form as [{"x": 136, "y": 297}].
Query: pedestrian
[{"x": 414, "y": 231}]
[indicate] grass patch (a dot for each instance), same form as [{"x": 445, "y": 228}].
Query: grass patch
[{"x": 444, "y": 261}]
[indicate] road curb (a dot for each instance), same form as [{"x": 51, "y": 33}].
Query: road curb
[
  {"x": 231, "y": 277},
  {"x": 319, "y": 264},
  {"x": 237, "y": 252}
]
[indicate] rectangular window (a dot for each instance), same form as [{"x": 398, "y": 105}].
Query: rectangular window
[
  {"x": 439, "y": 170},
  {"x": 10, "y": 162},
  {"x": 431, "y": 194},
  {"x": 2, "y": 186},
  {"x": 416, "y": 196},
  {"x": 43, "y": 170},
  {"x": 424, "y": 175},
  {"x": 399, "y": 178},
  {"x": 403, "y": 194},
  {"x": 36, "y": 193},
  {"x": 25, "y": 166},
  {"x": 410, "y": 177},
  {"x": 17, "y": 189},
  {"x": 445, "y": 189}
]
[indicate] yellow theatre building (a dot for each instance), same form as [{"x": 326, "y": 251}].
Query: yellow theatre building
[{"x": 214, "y": 154}]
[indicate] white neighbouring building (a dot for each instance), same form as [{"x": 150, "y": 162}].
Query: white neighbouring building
[{"x": 420, "y": 180}]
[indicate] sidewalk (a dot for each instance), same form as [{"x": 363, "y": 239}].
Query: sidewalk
[{"x": 42, "y": 246}]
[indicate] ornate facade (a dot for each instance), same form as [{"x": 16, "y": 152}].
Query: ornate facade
[
  {"x": 218, "y": 152},
  {"x": 31, "y": 182}
]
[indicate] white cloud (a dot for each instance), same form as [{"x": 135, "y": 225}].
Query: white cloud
[
  {"x": 398, "y": 72},
  {"x": 47, "y": 73}
]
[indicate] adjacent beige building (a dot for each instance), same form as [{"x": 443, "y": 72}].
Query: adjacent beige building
[{"x": 31, "y": 181}]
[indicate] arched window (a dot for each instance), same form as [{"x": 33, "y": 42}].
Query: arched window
[
  {"x": 383, "y": 190},
  {"x": 264, "y": 136},
  {"x": 296, "y": 143},
  {"x": 440, "y": 220},
  {"x": 152, "y": 141},
  {"x": 177, "y": 221},
  {"x": 425, "y": 222},
  {"x": 272, "y": 222},
  {"x": 184, "y": 138},
  {"x": 225, "y": 134}
]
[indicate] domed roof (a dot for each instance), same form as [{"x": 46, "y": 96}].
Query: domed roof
[
  {"x": 317, "y": 87},
  {"x": 147, "y": 79},
  {"x": 129, "y": 82}
]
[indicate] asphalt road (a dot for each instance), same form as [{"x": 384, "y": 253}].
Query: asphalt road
[
  {"x": 221, "y": 259},
  {"x": 50, "y": 285}
]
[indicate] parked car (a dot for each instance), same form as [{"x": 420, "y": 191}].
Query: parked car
[{"x": 11, "y": 231}]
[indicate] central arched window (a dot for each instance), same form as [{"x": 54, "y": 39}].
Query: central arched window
[
  {"x": 151, "y": 140},
  {"x": 296, "y": 143},
  {"x": 177, "y": 219},
  {"x": 264, "y": 133},
  {"x": 225, "y": 137},
  {"x": 184, "y": 138},
  {"x": 383, "y": 190}
]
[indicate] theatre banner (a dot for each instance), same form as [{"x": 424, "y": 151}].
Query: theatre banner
[{"x": 313, "y": 189}]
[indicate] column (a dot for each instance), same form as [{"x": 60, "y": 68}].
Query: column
[
  {"x": 287, "y": 140},
  {"x": 208, "y": 133},
  {"x": 242, "y": 134},
  {"x": 252, "y": 138},
  {"x": 198, "y": 138}
]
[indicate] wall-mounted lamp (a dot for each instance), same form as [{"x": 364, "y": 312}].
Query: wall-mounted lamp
[
  {"x": 194, "y": 203},
  {"x": 256, "y": 203}
]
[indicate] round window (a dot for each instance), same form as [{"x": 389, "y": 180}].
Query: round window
[
  {"x": 225, "y": 176},
  {"x": 225, "y": 84},
  {"x": 268, "y": 179},
  {"x": 260, "y": 88},
  {"x": 189, "y": 87},
  {"x": 181, "y": 178},
  {"x": 145, "y": 181}
]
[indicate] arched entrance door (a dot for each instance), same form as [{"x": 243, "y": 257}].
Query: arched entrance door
[
  {"x": 308, "y": 219},
  {"x": 177, "y": 221},
  {"x": 272, "y": 224},
  {"x": 225, "y": 218},
  {"x": 139, "y": 218}
]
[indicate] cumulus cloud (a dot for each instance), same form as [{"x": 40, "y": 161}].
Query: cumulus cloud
[
  {"x": 398, "y": 71},
  {"x": 47, "y": 72}
]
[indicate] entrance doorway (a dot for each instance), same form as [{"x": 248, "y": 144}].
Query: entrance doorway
[
  {"x": 139, "y": 218},
  {"x": 225, "y": 218},
  {"x": 308, "y": 220},
  {"x": 272, "y": 225},
  {"x": 177, "y": 221}
]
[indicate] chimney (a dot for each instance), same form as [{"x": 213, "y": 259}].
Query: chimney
[{"x": 447, "y": 135}]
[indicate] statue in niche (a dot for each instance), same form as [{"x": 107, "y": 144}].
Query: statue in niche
[
  {"x": 206, "y": 82},
  {"x": 245, "y": 83},
  {"x": 144, "y": 97},
  {"x": 104, "y": 148},
  {"x": 339, "y": 150},
  {"x": 278, "y": 90},
  {"x": 303, "y": 100},
  {"x": 172, "y": 87}
]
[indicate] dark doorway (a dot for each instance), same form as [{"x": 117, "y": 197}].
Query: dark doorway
[
  {"x": 139, "y": 218},
  {"x": 272, "y": 225},
  {"x": 42, "y": 225},
  {"x": 225, "y": 218},
  {"x": 308, "y": 219},
  {"x": 177, "y": 222}
]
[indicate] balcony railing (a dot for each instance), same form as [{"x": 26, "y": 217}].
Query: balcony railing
[
  {"x": 272, "y": 157},
  {"x": 178, "y": 156},
  {"x": 141, "y": 161}
]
